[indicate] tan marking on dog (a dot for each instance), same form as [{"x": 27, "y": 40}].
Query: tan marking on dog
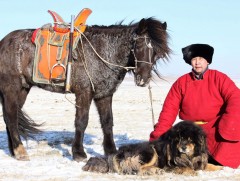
[
  {"x": 153, "y": 161},
  {"x": 130, "y": 165},
  {"x": 184, "y": 171},
  {"x": 116, "y": 166},
  {"x": 20, "y": 153},
  {"x": 211, "y": 167},
  {"x": 168, "y": 152},
  {"x": 189, "y": 150},
  {"x": 151, "y": 168}
]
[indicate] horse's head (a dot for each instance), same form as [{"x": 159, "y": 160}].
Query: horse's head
[{"x": 149, "y": 45}]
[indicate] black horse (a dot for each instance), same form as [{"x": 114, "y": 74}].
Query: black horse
[{"x": 137, "y": 45}]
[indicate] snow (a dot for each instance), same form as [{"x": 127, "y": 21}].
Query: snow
[{"x": 50, "y": 154}]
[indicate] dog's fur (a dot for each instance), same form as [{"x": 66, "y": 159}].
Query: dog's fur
[{"x": 182, "y": 149}]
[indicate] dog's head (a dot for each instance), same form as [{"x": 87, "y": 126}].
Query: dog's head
[
  {"x": 186, "y": 145},
  {"x": 188, "y": 138}
]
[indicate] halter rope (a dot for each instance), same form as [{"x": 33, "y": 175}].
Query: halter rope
[{"x": 151, "y": 102}]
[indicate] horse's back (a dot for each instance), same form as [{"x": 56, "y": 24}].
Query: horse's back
[
  {"x": 16, "y": 52},
  {"x": 17, "y": 35},
  {"x": 15, "y": 40}
]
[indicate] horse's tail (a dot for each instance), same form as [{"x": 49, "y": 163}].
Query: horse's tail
[{"x": 26, "y": 126}]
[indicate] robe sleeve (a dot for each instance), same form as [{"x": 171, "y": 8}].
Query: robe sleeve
[
  {"x": 169, "y": 112},
  {"x": 229, "y": 124}
]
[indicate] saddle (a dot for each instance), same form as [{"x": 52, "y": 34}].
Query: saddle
[{"x": 52, "y": 48}]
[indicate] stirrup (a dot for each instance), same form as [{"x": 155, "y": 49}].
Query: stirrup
[{"x": 57, "y": 74}]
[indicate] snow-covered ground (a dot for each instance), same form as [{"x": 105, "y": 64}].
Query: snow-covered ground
[{"x": 50, "y": 154}]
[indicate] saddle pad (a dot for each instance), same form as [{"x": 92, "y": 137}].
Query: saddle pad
[{"x": 51, "y": 56}]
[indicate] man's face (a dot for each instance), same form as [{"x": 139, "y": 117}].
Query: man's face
[{"x": 199, "y": 64}]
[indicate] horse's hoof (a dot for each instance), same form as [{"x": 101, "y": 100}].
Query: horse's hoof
[
  {"x": 22, "y": 157},
  {"x": 20, "y": 153},
  {"x": 80, "y": 158}
]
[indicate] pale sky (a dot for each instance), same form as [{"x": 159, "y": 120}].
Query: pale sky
[{"x": 214, "y": 22}]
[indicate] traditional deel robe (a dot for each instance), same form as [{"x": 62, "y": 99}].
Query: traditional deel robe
[{"x": 213, "y": 100}]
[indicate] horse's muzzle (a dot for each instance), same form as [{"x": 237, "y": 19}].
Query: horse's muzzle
[{"x": 140, "y": 81}]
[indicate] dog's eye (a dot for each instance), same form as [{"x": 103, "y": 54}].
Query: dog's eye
[{"x": 177, "y": 139}]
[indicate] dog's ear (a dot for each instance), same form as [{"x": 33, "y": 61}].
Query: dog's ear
[
  {"x": 168, "y": 154},
  {"x": 165, "y": 155},
  {"x": 202, "y": 143}
]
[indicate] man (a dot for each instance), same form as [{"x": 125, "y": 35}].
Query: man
[{"x": 209, "y": 98}]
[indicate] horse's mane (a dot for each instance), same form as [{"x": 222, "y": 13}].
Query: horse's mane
[
  {"x": 158, "y": 35},
  {"x": 159, "y": 38},
  {"x": 155, "y": 31},
  {"x": 153, "y": 28}
]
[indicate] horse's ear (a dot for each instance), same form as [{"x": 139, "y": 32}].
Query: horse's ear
[
  {"x": 164, "y": 26},
  {"x": 142, "y": 27}
]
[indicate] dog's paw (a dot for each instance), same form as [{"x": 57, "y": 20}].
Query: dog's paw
[
  {"x": 96, "y": 164},
  {"x": 211, "y": 167},
  {"x": 151, "y": 171},
  {"x": 184, "y": 171},
  {"x": 183, "y": 161}
]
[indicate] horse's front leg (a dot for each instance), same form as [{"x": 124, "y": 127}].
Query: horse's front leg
[
  {"x": 83, "y": 102},
  {"x": 104, "y": 107}
]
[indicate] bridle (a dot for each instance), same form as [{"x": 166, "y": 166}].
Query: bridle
[
  {"x": 148, "y": 44},
  {"x": 150, "y": 51}
]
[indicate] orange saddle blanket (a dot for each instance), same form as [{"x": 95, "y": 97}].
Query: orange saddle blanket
[{"x": 51, "y": 56}]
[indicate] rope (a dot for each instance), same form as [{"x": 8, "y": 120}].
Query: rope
[
  {"x": 105, "y": 61},
  {"x": 85, "y": 64},
  {"x": 71, "y": 101},
  {"x": 150, "y": 96}
]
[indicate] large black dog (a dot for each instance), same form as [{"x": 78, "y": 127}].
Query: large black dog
[{"x": 182, "y": 149}]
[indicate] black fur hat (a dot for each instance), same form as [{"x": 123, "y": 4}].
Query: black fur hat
[{"x": 197, "y": 50}]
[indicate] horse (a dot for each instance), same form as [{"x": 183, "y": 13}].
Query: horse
[{"x": 101, "y": 60}]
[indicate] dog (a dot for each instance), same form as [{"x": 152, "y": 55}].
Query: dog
[{"x": 182, "y": 150}]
